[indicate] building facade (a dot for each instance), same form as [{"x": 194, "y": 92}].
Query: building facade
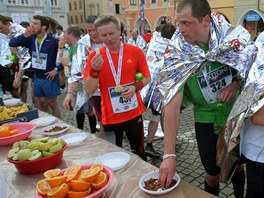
[
  {"x": 79, "y": 10},
  {"x": 238, "y": 12},
  {"x": 24, "y": 10}
]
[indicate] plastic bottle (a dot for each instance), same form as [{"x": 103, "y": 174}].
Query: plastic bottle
[
  {"x": 67, "y": 68},
  {"x": 220, "y": 117},
  {"x": 2, "y": 185}
]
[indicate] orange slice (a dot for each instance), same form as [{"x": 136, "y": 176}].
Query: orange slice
[
  {"x": 74, "y": 194},
  {"x": 100, "y": 182},
  {"x": 56, "y": 181},
  {"x": 52, "y": 173},
  {"x": 13, "y": 132},
  {"x": 60, "y": 191},
  {"x": 91, "y": 174},
  {"x": 101, "y": 166},
  {"x": 73, "y": 169},
  {"x": 80, "y": 185},
  {"x": 43, "y": 187}
]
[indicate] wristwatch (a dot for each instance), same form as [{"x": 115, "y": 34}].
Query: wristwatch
[{"x": 56, "y": 68}]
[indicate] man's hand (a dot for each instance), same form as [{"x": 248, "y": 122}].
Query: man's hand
[
  {"x": 97, "y": 62},
  {"x": 167, "y": 171},
  {"x": 28, "y": 32},
  {"x": 17, "y": 82},
  {"x": 228, "y": 93},
  {"x": 69, "y": 101},
  {"x": 128, "y": 92},
  {"x": 66, "y": 62},
  {"x": 51, "y": 74}
]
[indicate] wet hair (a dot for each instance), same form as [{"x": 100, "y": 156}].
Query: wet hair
[
  {"x": 200, "y": 8},
  {"x": 59, "y": 27},
  {"x": 43, "y": 20},
  {"x": 5, "y": 19},
  {"x": 24, "y": 24},
  {"x": 105, "y": 19},
  {"x": 167, "y": 30},
  {"x": 90, "y": 19},
  {"x": 74, "y": 30}
]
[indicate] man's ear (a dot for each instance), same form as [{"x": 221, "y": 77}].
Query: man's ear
[{"x": 207, "y": 20}]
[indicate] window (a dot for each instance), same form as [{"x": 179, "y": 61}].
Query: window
[
  {"x": 133, "y": 2},
  {"x": 71, "y": 19},
  {"x": 81, "y": 18},
  {"x": 80, "y": 4},
  {"x": 75, "y": 6},
  {"x": 37, "y": 2},
  {"x": 153, "y": 1},
  {"x": 11, "y": 1},
  {"x": 76, "y": 19},
  {"x": 70, "y": 8},
  {"x": 166, "y": 0},
  {"x": 117, "y": 8},
  {"x": 24, "y": 2},
  {"x": 54, "y": 3}
]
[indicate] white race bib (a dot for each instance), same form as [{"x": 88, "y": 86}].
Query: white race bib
[
  {"x": 39, "y": 61},
  {"x": 218, "y": 79},
  {"x": 119, "y": 104}
]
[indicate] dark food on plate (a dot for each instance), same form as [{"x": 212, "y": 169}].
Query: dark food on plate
[
  {"x": 154, "y": 184},
  {"x": 55, "y": 129}
]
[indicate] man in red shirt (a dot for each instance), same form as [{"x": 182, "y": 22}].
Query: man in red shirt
[
  {"x": 147, "y": 36},
  {"x": 113, "y": 69}
]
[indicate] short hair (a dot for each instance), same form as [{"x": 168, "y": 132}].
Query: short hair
[
  {"x": 74, "y": 30},
  {"x": 43, "y": 20},
  {"x": 24, "y": 24},
  {"x": 105, "y": 19},
  {"x": 157, "y": 29},
  {"x": 167, "y": 30},
  {"x": 5, "y": 19},
  {"x": 59, "y": 27},
  {"x": 200, "y": 8},
  {"x": 91, "y": 19}
]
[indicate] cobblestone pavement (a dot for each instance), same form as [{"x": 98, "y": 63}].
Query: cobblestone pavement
[{"x": 189, "y": 165}]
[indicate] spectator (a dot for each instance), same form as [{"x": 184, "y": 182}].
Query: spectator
[
  {"x": 122, "y": 106},
  {"x": 147, "y": 36},
  {"x": 167, "y": 31},
  {"x": 123, "y": 37},
  {"x": 136, "y": 39},
  {"x": 7, "y": 72},
  {"x": 195, "y": 26},
  {"x": 43, "y": 49},
  {"x": 77, "y": 54},
  {"x": 59, "y": 32}
]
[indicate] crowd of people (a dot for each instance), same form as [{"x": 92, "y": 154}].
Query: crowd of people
[{"x": 98, "y": 66}]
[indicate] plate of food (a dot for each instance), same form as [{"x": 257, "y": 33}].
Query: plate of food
[
  {"x": 149, "y": 183},
  {"x": 44, "y": 121},
  {"x": 114, "y": 160},
  {"x": 74, "y": 138},
  {"x": 55, "y": 129}
]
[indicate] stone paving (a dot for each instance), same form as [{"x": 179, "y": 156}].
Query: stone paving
[{"x": 189, "y": 165}]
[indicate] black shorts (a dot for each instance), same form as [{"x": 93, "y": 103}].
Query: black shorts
[
  {"x": 207, "y": 140},
  {"x": 7, "y": 77},
  {"x": 96, "y": 101},
  {"x": 134, "y": 131}
]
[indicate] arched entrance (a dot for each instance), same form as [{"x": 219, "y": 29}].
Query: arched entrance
[{"x": 138, "y": 25}]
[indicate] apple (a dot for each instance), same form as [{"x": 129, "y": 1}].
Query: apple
[{"x": 139, "y": 76}]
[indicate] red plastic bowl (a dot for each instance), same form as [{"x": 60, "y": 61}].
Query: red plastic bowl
[
  {"x": 25, "y": 129},
  {"x": 39, "y": 165},
  {"x": 97, "y": 194}
]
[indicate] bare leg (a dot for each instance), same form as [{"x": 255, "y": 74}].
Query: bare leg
[
  {"x": 54, "y": 106},
  {"x": 23, "y": 90}
]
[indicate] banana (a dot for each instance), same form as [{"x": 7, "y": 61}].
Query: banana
[
  {"x": 1, "y": 118},
  {"x": 5, "y": 115}
]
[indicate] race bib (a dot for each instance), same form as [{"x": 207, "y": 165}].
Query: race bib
[
  {"x": 39, "y": 61},
  {"x": 119, "y": 104},
  {"x": 217, "y": 80}
]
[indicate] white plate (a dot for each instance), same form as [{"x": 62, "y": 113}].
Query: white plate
[
  {"x": 44, "y": 121},
  {"x": 114, "y": 160},
  {"x": 57, "y": 132},
  {"x": 12, "y": 102},
  {"x": 155, "y": 175},
  {"x": 74, "y": 138}
]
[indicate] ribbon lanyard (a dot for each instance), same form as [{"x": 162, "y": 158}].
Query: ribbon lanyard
[
  {"x": 117, "y": 76},
  {"x": 38, "y": 48},
  {"x": 207, "y": 79}
]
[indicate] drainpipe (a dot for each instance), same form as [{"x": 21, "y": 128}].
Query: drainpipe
[{"x": 259, "y": 7}]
